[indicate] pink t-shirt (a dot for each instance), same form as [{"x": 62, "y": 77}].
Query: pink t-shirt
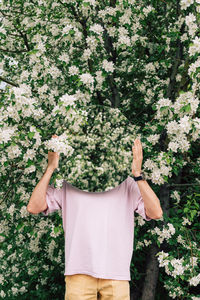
[{"x": 98, "y": 227}]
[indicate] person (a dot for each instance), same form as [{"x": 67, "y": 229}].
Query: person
[{"x": 99, "y": 229}]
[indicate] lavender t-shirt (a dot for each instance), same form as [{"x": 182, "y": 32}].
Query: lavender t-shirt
[{"x": 98, "y": 227}]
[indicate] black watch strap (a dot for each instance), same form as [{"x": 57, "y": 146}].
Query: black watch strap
[
  {"x": 141, "y": 177},
  {"x": 138, "y": 178}
]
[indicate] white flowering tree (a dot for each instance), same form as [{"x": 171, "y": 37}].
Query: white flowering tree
[{"x": 136, "y": 58}]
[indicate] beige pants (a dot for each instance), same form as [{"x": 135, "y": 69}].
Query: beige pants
[{"x": 86, "y": 287}]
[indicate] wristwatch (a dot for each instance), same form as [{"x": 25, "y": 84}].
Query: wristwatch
[{"x": 141, "y": 177}]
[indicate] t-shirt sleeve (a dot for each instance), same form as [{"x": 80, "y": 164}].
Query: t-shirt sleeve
[
  {"x": 54, "y": 197},
  {"x": 138, "y": 201}
]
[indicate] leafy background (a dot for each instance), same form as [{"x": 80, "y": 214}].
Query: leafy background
[{"x": 57, "y": 59}]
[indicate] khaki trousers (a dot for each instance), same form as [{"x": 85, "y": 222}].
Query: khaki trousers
[{"x": 86, "y": 287}]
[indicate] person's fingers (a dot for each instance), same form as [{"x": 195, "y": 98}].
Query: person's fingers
[
  {"x": 134, "y": 152},
  {"x": 137, "y": 148},
  {"x": 139, "y": 145}
]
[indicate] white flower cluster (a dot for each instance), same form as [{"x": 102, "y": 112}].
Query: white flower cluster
[
  {"x": 53, "y": 233},
  {"x": 186, "y": 3},
  {"x": 179, "y": 266},
  {"x": 153, "y": 138},
  {"x": 68, "y": 99},
  {"x": 123, "y": 38},
  {"x": 50, "y": 249},
  {"x": 176, "y": 195},
  {"x": 193, "y": 67},
  {"x": 195, "y": 280},
  {"x": 13, "y": 151},
  {"x": 150, "y": 67},
  {"x": 108, "y": 66},
  {"x": 6, "y": 132},
  {"x": 182, "y": 100},
  {"x": 92, "y": 43},
  {"x": 111, "y": 11},
  {"x": 177, "y": 132},
  {"x": 64, "y": 57},
  {"x": 195, "y": 47},
  {"x": 34, "y": 244},
  {"x": 23, "y": 212},
  {"x": 67, "y": 29},
  {"x": 99, "y": 79},
  {"x": 59, "y": 145},
  {"x": 159, "y": 168},
  {"x": 146, "y": 10},
  {"x": 11, "y": 209},
  {"x": 142, "y": 244},
  {"x": 87, "y": 79},
  {"x": 97, "y": 28},
  {"x": 37, "y": 136},
  {"x": 25, "y": 103},
  {"x": 174, "y": 291},
  {"x": 186, "y": 221},
  {"x": 87, "y": 54},
  {"x": 59, "y": 183},
  {"x": 164, "y": 234},
  {"x": 30, "y": 154},
  {"x": 72, "y": 115},
  {"x": 185, "y": 106},
  {"x": 190, "y": 22},
  {"x": 73, "y": 70},
  {"x": 163, "y": 107}
]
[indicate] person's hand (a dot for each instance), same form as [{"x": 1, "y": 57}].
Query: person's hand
[
  {"x": 53, "y": 157},
  {"x": 137, "y": 158}
]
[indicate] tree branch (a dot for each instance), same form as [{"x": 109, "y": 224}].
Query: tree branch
[{"x": 9, "y": 82}]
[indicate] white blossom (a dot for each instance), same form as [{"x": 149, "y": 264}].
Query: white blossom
[
  {"x": 97, "y": 28},
  {"x": 108, "y": 66}
]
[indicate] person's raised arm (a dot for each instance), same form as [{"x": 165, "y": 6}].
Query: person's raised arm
[{"x": 37, "y": 202}]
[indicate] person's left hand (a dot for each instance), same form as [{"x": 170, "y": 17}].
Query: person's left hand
[{"x": 137, "y": 157}]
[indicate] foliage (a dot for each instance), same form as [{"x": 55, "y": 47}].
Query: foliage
[{"x": 136, "y": 58}]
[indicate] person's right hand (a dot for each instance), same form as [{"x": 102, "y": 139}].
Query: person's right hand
[{"x": 53, "y": 157}]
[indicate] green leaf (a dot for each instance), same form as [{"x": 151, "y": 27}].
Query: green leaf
[
  {"x": 86, "y": 4},
  {"x": 56, "y": 229},
  {"x": 31, "y": 135},
  {"x": 163, "y": 108},
  {"x": 168, "y": 160},
  {"x": 187, "y": 107},
  {"x": 72, "y": 31},
  {"x": 79, "y": 83},
  {"x": 33, "y": 51},
  {"x": 29, "y": 163},
  {"x": 193, "y": 213},
  {"x": 165, "y": 178},
  {"x": 158, "y": 243},
  {"x": 67, "y": 107},
  {"x": 19, "y": 226}
]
